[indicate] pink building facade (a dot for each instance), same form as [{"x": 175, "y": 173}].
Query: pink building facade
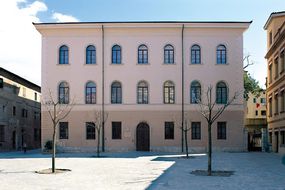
[{"x": 144, "y": 75}]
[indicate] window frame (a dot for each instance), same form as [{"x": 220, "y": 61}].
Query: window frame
[
  {"x": 222, "y": 98},
  {"x": 2, "y": 134},
  {"x": 118, "y": 90},
  {"x": 63, "y": 130},
  {"x": 90, "y": 130},
  {"x": 63, "y": 98},
  {"x": 169, "y": 92},
  {"x": 90, "y": 55},
  {"x": 142, "y": 54},
  {"x": 221, "y": 130},
  {"x": 116, "y": 130},
  {"x": 169, "y": 130},
  {"x": 221, "y": 54},
  {"x": 142, "y": 92},
  {"x": 63, "y": 55},
  {"x": 90, "y": 98},
  {"x": 195, "y": 54},
  {"x": 196, "y": 130},
  {"x": 116, "y": 57},
  {"x": 196, "y": 89},
  {"x": 168, "y": 54}
]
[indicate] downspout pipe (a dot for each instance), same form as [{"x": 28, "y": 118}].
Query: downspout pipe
[
  {"x": 182, "y": 89},
  {"x": 103, "y": 90}
]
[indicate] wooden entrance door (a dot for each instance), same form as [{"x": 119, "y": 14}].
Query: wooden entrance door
[{"x": 143, "y": 137}]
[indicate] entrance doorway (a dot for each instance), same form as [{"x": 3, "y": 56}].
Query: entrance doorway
[{"x": 143, "y": 137}]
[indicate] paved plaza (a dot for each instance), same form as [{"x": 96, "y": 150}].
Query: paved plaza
[{"x": 141, "y": 170}]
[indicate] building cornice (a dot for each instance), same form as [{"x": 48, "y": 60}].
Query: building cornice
[
  {"x": 16, "y": 78},
  {"x": 276, "y": 44},
  {"x": 273, "y": 15},
  {"x": 143, "y": 24}
]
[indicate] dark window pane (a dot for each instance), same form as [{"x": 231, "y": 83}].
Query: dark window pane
[
  {"x": 2, "y": 133},
  {"x": 116, "y": 130},
  {"x": 63, "y": 130},
  {"x": 90, "y": 130},
  {"x": 196, "y": 130},
  {"x": 221, "y": 130},
  {"x": 116, "y": 54},
  {"x": 169, "y": 130},
  {"x": 63, "y": 55}
]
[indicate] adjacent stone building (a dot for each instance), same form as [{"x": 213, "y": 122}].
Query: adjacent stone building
[
  {"x": 255, "y": 122},
  {"x": 20, "y": 112},
  {"x": 144, "y": 75},
  {"x": 275, "y": 27}
]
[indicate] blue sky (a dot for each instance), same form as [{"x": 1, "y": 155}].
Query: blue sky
[{"x": 157, "y": 10}]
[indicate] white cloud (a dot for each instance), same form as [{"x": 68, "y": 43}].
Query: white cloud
[
  {"x": 20, "y": 42},
  {"x": 59, "y": 17},
  {"x": 20, "y": 45}
]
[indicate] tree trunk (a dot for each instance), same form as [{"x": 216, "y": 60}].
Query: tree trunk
[
  {"x": 186, "y": 144},
  {"x": 209, "y": 149},
  {"x": 98, "y": 144},
  {"x": 53, "y": 149}
]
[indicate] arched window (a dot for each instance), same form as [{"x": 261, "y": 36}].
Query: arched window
[
  {"x": 169, "y": 92},
  {"x": 63, "y": 54},
  {"x": 221, "y": 54},
  {"x": 195, "y": 92},
  {"x": 142, "y": 54},
  {"x": 116, "y": 93},
  {"x": 221, "y": 93},
  {"x": 91, "y": 55},
  {"x": 116, "y": 54},
  {"x": 90, "y": 93},
  {"x": 142, "y": 92},
  {"x": 63, "y": 93},
  {"x": 168, "y": 54},
  {"x": 195, "y": 54}
]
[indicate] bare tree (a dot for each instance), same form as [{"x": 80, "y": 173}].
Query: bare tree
[
  {"x": 211, "y": 112},
  {"x": 186, "y": 127},
  {"x": 99, "y": 118},
  {"x": 247, "y": 61},
  {"x": 57, "y": 112}
]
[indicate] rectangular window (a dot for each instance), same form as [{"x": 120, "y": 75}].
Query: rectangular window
[
  {"x": 283, "y": 137},
  {"x": 263, "y": 112},
  {"x": 221, "y": 130},
  {"x": 14, "y": 110},
  {"x": 2, "y": 133},
  {"x": 270, "y": 107},
  {"x": 36, "y": 134},
  {"x": 1, "y": 83},
  {"x": 117, "y": 130},
  {"x": 24, "y": 113},
  {"x": 262, "y": 100},
  {"x": 276, "y": 67},
  {"x": 36, "y": 96},
  {"x": 282, "y": 102},
  {"x": 254, "y": 100},
  {"x": 63, "y": 130},
  {"x": 196, "y": 130},
  {"x": 270, "y": 73},
  {"x": 276, "y": 104},
  {"x": 169, "y": 130},
  {"x": 256, "y": 112},
  {"x": 282, "y": 61},
  {"x": 90, "y": 130}
]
